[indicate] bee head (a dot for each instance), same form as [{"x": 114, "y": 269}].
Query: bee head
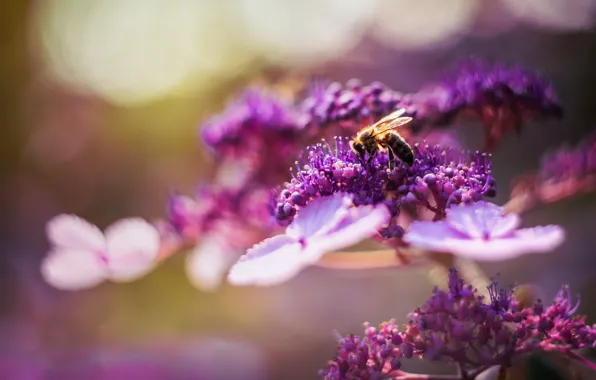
[{"x": 358, "y": 148}]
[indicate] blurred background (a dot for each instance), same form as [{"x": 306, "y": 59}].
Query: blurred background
[{"x": 100, "y": 101}]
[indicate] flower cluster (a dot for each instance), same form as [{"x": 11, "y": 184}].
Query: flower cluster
[
  {"x": 461, "y": 327},
  {"x": 352, "y": 106},
  {"x": 503, "y": 97},
  {"x": 447, "y": 177},
  {"x": 564, "y": 173},
  {"x": 570, "y": 163},
  {"x": 247, "y": 123}
]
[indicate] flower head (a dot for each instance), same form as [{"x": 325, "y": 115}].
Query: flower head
[
  {"x": 251, "y": 122},
  {"x": 459, "y": 326},
  {"x": 83, "y": 257},
  {"x": 481, "y": 231},
  {"x": 325, "y": 224},
  {"x": 352, "y": 106},
  {"x": 504, "y": 97},
  {"x": 439, "y": 173}
]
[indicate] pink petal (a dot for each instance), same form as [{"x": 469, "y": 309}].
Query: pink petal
[
  {"x": 70, "y": 269},
  {"x": 273, "y": 261},
  {"x": 72, "y": 232},
  {"x": 430, "y": 235},
  {"x": 207, "y": 264},
  {"x": 319, "y": 216},
  {"x": 506, "y": 225},
  {"x": 132, "y": 248},
  {"x": 439, "y": 237},
  {"x": 475, "y": 220},
  {"x": 360, "y": 223}
]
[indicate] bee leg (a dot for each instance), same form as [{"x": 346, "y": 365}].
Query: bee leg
[
  {"x": 370, "y": 158},
  {"x": 391, "y": 159}
]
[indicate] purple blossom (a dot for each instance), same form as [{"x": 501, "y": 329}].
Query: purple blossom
[
  {"x": 481, "y": 231},
  {"x": 325, "y": 224},
  {"x": 443, "y": 175},
  {"x": 352, "y": 106},
  {"x": 249, "y": 122},
  {"x": 570, "y": 163},
  {"x": 461, "y": 327},
  {"x": 504, "y": 97}
]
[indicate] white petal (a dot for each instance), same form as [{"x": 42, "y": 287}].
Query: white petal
[
  {"x": 132, "y": 248},
  {"x": 208, "y": 263},
  {"x": 360, "y": 223},
  {"x": 319, "y": 216},
  {"x": 70, "y": 231},
  {"x": 273, "y": 261},
  {"x": 69, "y": 269}
]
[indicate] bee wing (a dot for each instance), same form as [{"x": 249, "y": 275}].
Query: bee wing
[{"x": 387, "y": 124}]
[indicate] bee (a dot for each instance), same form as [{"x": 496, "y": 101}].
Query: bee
[{"x": 382, "y": 135}]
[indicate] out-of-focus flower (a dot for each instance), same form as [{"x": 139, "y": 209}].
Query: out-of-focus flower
[
  {"x": 259, "y": 132},
  {"x": 325, "y": 224},
  {"x": 570, "y": 163},
  {"x": 503, "y": 97},
  {"x": 463, "y": 328},
  {"x": 481, "y": 231},
  {"x": 248, "y": 121},
  {"x": 82, "y": 256},
  {"x": 441, "y": 174},
  {"x": 564, "y": 173}
]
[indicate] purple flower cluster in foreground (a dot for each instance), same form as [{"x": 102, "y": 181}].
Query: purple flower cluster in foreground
[
  {"x": 447, "y": 177},
  {"x": 461, "y": 327}
]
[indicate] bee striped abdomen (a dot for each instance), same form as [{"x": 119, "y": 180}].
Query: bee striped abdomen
[{"x": 400, "y": 147}]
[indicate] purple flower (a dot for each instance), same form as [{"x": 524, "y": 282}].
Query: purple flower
[
  {"x": 570, "y": 163},
  {"x": 250, "y": 122},
  {"x": 326, "y": 224},
  {"x": 481, "y": 231},
  {"x": 352, "y": 106},
  {"x": 441, "y": 174},
  {"x": 503, "y": 97},
  {"x": 461, "y": 327}
]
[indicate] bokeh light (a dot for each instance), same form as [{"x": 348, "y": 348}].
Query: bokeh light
[
  {"x": 405, "y": 24},
  {"x": 305, "y": 32},
  {"x": 133, "y": 51},
  {"x": 555, "y": 14}
]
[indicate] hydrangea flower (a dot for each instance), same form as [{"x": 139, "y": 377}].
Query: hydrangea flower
[
  {"x": 481, "y": 231},
  {"x": 325, "y": 224},
  {"x": 461, "y": 327},
  {"x": 504, "y": 97},
  {"x": 82, "y": 256},
  {"x": 443, "y": 175}
]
